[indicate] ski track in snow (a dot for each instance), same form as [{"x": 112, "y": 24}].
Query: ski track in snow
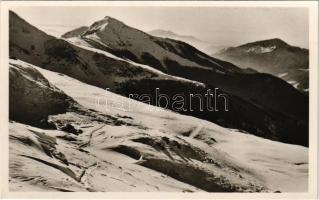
[{"x": 196, "y": 131}]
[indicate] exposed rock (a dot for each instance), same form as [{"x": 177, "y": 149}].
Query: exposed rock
[{"x": 32, "y": 98}]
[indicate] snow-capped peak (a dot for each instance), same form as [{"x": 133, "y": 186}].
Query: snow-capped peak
[
  {"x": 108, "y": 17},
  {"x": 261, "y": 49},
  {"x": 99, "y": 25},
  {"x": 267, "y": 43},
  {"x": 103, "y": 23}
]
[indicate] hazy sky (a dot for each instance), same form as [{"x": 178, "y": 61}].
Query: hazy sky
[{"x": 221, "y": 26}]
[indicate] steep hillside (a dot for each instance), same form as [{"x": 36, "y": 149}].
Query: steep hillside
[
  {"x": 32, "y": 98},
  {"x": 138, "y": 150},
  {"x": 272, "y": 56}
]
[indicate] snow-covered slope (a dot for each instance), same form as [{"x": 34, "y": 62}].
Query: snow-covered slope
[
  {"x": 75, "y": 32},
  {"x": 115, "y": 149}
]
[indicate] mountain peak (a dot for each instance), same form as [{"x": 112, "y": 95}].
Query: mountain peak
[
  {"x": 277, "y": 42},
  {"x": 274, "y": 41},
  {"x": 101, "y": 25},
  {"x": 110, "y": 18}
]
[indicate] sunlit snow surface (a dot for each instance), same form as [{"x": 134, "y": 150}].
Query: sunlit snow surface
[
  {"x": 278, "y": 166},
  {"x": 260, "y": 49}
]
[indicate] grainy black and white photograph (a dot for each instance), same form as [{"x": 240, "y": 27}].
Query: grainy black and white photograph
[{"x": 187, "y": 99}]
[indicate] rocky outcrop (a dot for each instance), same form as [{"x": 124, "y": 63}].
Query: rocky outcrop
[{"x": 32, "y": 98}]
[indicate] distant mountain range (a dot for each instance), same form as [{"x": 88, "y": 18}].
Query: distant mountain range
[
  {"x": 110, "y": 54},
  {"x": 272, "y": 56},
  {"x": 204, "y": 46}
]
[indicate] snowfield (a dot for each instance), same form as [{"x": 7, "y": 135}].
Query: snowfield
[
  {"x": 282, "y": 74},
  {"x": 145, "y": 149},
  {"x": 260, "y": 49}
]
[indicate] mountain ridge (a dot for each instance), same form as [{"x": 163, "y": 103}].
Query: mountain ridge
[
  {"x": 75, "y": 32},
  {"x": 273, "y": 41},
  {"x": 273, "y": 56}
]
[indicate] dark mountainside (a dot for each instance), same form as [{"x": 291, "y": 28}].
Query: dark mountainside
[
  {"x": 31, "y": 94},
  {"x": 272, "y": 56},
  {"x": 259, "y": 103}
]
